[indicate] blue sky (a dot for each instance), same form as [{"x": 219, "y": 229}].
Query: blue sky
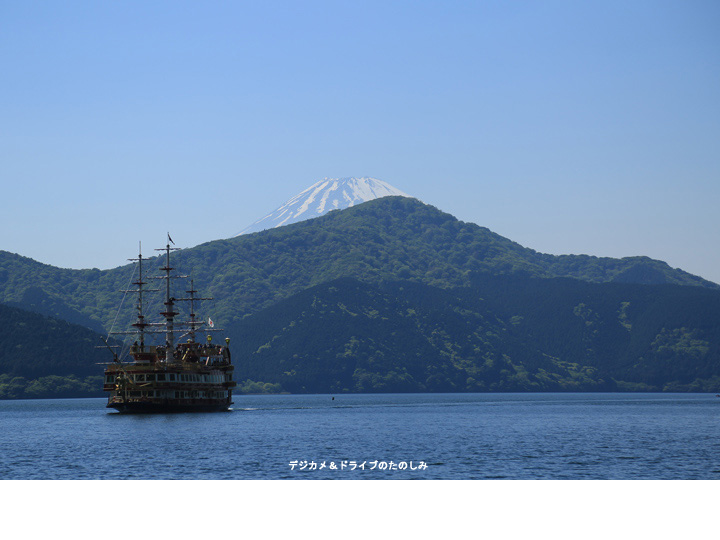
[{"x": 569, "y": 127}]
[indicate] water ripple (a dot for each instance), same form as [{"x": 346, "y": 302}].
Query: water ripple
[{"x": 467, "y": 436}]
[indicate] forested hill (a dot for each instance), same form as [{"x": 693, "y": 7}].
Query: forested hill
[
  {"x": 388, "y": 296},
  {"x": 500, "y": 333},
  {"x": 388, "y": 239},
  {"x": 42, "y": 357}
]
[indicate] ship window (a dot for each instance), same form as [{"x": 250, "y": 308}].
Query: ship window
[
  {"x": 150, "y": 377},
  {"x": 139, "y": 377},
  {"x": 160, "y": 376}
]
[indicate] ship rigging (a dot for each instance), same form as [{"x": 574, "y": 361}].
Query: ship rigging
[{"x": 175, "y": 376}]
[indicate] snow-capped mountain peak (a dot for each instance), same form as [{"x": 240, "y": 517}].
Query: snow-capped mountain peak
[{"x": 323, "y": 196}]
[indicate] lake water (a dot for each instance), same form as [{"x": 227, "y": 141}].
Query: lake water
[{"x": 353, "y": 437}]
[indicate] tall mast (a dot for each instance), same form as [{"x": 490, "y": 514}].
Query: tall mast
[
  {"x": 169, "y": 312},
  {"x": 140, "y": 324},
  {"x": 192, "y": 292},
  {"x": 141, "y": 317},
  {"x": 194, "y": 323}
]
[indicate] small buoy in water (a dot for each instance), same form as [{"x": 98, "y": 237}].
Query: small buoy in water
[{"x": 333, "y": 398}]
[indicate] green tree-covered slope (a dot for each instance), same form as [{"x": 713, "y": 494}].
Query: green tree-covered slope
[
  {"x": 474, "y": 311},
  {"x": 393, "y": 238},
  {"x": 501, "y": 333},
  {"x": 42, "y": 357}
]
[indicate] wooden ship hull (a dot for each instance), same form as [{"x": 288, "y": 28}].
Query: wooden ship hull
[
  {"x": 181, "y": 387},
  {"x": 169, "y": 407}
]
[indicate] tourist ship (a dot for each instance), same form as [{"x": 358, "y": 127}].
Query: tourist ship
[{"x": 181, "y": 375}]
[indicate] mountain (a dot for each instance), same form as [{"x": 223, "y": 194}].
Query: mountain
[
  {"x": 43, "y": 357},
  {"x": 500, "y": 333},
  {"x": 322, "y": 197},
  {"x": 435, "y": 290},
  {"x": 387, "y": 239}
]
